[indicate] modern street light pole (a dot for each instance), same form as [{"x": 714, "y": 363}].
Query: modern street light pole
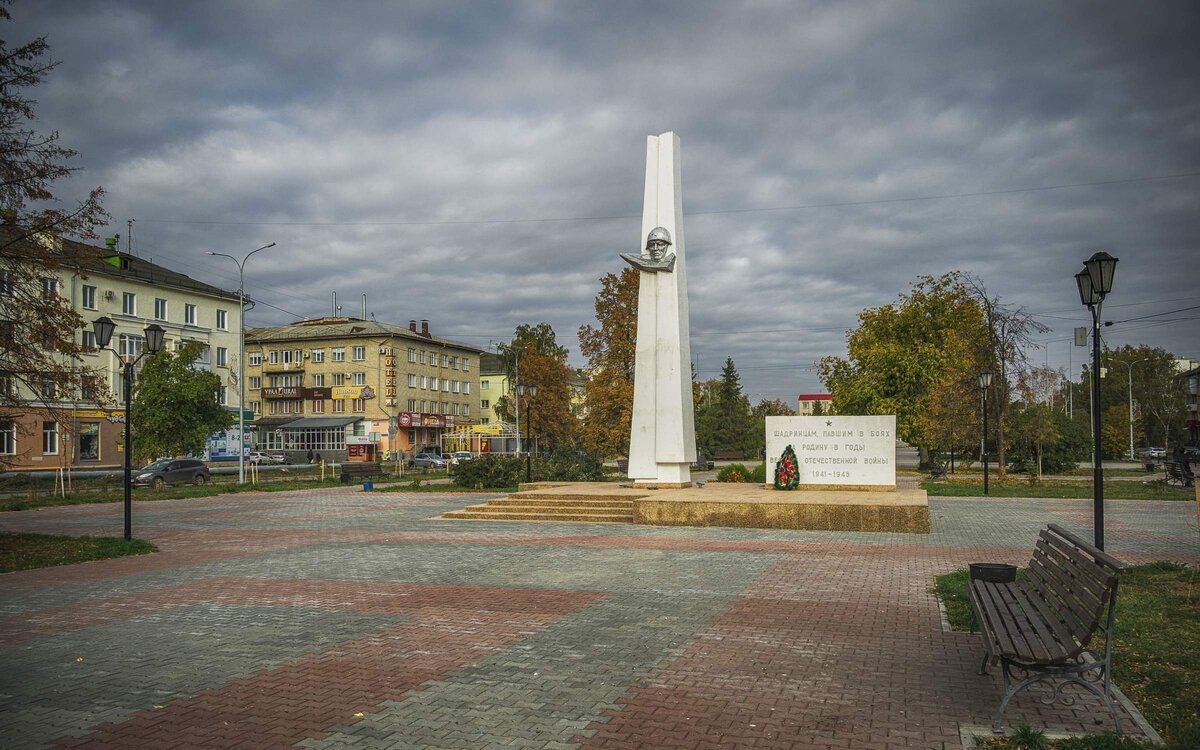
[
  {"x": 241, "y": 264},
  {"x": 1130, "y": 366},
  {"x": 985, "y": 380},
  {"x": 1094, "y": 283},
  {"x": 103, "y": 327}
]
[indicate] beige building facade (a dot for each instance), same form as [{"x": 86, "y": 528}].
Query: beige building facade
[{"x": 339, "y": 386}]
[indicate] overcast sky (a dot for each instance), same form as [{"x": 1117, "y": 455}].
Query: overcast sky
[{"x": 481, "y": 165}]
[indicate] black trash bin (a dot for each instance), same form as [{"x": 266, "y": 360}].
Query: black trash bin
[{"x": 993, "y": 572}]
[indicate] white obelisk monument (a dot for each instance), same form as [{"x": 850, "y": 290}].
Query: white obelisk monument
[{"x": 662, "y": 443}]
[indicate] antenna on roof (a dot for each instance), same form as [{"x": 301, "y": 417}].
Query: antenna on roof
[{"x": 129, "y": 239}]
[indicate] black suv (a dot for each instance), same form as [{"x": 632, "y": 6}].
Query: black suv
[{"x": 172, "y": 471}]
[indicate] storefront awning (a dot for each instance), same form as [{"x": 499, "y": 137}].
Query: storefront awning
[
  {"x": 272, "y": 423},
  {"x": 319, "y": 422}
]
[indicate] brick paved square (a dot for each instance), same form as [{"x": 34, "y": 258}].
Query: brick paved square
[{"x": 328, "y": 619}]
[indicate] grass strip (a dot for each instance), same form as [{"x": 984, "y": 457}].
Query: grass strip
[
  {"x": 1156, "y": 652},
  {"x": 29, "y": 551},
  {"x": 1152, "y": 490}
]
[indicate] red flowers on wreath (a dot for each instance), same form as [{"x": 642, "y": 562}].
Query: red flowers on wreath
[{"x": 787, "y": 470}]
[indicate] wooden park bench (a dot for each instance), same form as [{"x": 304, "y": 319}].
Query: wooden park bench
[
  {"x": 728, "y": 456},
  {"x": 937, "y": 471},
  {"x": 1176, "y": 474},
  {"x": 1038, "y": 627},
  {"x": 354, "y": 471}
]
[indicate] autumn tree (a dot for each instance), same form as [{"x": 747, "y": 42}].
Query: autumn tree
[
  {"x": 1008, "y": 337},
  {"x": 758, "y": 419},
  {"x": 534, "y": 357},
  {"x": 174, "y": 405},
  {"x": 1037, "y": 422},
  {"x": 903, "y": 354},
  {"x": 38, "y": 339},
  {"x": 1159, "y": 394},
  {"x": 610, "y": 350}
]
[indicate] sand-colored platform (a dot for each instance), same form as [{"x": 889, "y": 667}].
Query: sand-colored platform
[{"x": 714, "y": 504}]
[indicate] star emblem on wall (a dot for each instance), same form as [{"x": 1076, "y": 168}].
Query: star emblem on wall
[{"x": 828, "y": 423}]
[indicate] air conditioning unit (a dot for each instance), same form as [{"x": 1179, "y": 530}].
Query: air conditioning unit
[
  {"x": 110, "y": 295},
  {"x": 306, "y": 355}
]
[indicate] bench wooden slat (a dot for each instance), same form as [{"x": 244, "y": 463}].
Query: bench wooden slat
[
  {"x": 1071, "y": 593},
  {"x": 992, "y": 623},
  {"x": 1049, "y": 647},
  {"x": 1098, "y": 555},
  {"x": 1060, "y": 600},
  {"x": 1062, "y": 637},
  {"x": 1027, "y": 635},
  {"x": 1100, "y": 576}
]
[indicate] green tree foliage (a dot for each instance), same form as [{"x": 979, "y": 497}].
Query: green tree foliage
[
  {"x": 758, "y": 417},
  {"x": 38, "y": 332},
  {"x": 541, "y": 361},
  {"x": 723, "y": 419},
  {"x": 610, "y": 350},
  {"x": 902, "y": 355},
  {"x": 174, "y": 406},
  {"x": 1072, "y": 444},
  {"x": 1159, "y": 395}
]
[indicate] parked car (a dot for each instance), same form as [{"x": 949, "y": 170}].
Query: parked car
[
  {"x": 427, "y": 461},
  {"x": 172, "y": 471},
  {"x": 458, "y": 456},
  {"x": 258, "y": 457},
  {"x": 1157, "y": 454}
]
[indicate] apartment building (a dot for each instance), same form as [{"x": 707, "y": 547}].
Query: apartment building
[
  {"x": 85, "y": 430},
  {"x": 340, "y": 386}
]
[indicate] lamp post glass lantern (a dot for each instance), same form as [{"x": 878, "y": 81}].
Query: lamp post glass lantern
[
  {"x": 104, "y": 327},
  {"x": 985, "y": 381},
  {"x": 1095, "y": 282}
]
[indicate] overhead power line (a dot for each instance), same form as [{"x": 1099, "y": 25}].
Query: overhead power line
[{"x": 711, "y": 212}]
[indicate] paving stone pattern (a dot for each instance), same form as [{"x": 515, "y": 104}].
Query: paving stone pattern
[{"x": 338, "y": 618}]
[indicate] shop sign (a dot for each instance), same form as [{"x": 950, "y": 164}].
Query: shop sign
[
  {"x": 97, "y": 414},
  {"x": 433, "y": 420},
  {"x": 408, "y": 419},
  {"x": 359, "y": 440},
  {"x": 485, "y": 429},
  {"x": 317, "y": 393},
  {"x": 285, "y": 391},
  {"x": 353, "y": 391},
  {"x": 405, "y": 419}
]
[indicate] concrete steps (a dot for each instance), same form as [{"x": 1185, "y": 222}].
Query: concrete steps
[{"x": 542, "y": 508}]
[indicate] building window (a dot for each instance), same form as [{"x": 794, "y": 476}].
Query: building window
[
  {"x": 412, "y": 380},
  {"x": 466, "y": 387},
  {"x": 412, "y": 404},
  {"x": 273, "y": 358},
  {"x": 128, "y": 303},
  {"x": 254, "y": 359},
  {"x": 89, "y": 297},
  {"x": 339, "y": 405},
  {"x": 485, "y": 404},
  {"x": 359, "y": 405},
  {"x": 466, "y": 364},
  {"x": 466, "y": 410},
  {"x": 445, "y": 385},
  {"x": 89, "y": 441},
  {"x": 222, "y": 320},
  {"x": 49, "y": 387},
  {"x": 445, "y": 360},
  {"x": 254, "y": 382},
  {"x": 49, "y": 288},
  {"x": 6, "y": 289},
  {"x": 423, "y": 406},
  {"x": 222, "y": 357},
  {"x": 160, "y": 308},
  {"x": 454, "y": 363},
  {"x": 88, "y": 385},
  {"x": 129, "y": 346},
  {"x": 483, "y": 385},
  {"x": 189, "y": 315},
  {"x": 454, "y": 386},
  {"x": 339, "y": 378},
  {"x": 318, "y": 381},
  {"x": 412, "y": 354},
  {"x": 287, "y": 356},
  {"x": 223, "y": 396},
  {"x": 318, "y": 356},
  {"x": 337, "y": 354},
  {"x": 358, "y": 353},
  {"x": 8, "y": 438},
  {"x": 358, "y": 378},
  {"x": 482, "y": 420},
  {"x": 49, "y": 438},
  {"x": 318, "y": 406},
  {"x": 89, "y": 342}
]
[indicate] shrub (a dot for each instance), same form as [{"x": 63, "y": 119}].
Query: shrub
[
  {"x": 1074, "y": 444},
  {"x": 489, "y": 471}
]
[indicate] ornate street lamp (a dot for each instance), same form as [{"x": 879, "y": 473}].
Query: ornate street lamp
[
  {"x": 985, "y": 381},
  {"x": 531, "y": 390},
  {"x": 103, "y": 328},
  {"x": 1095, "y": 282}
]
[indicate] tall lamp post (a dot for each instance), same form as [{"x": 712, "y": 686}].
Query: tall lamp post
[
  {"x": 1095, "y": 282},
  {"x": 1130, "y": 366},
  {"x": 532, "y": 390},
  {"x": 103, "y": 328},
  {"x": 241, "y": 264},
  {"x": 985, "y": 381}
]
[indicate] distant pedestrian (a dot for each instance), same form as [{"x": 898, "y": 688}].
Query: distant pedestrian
[
  {"x": 310, "y": 455},
  {"x": 1180, "y": 457}
]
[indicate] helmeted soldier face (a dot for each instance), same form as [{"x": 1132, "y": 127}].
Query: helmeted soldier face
[{"x": 657, "y": 243}]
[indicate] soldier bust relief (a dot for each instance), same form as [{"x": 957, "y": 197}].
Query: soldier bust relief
[{"x": 655, "y": 258}]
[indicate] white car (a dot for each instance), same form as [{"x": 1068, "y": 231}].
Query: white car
[
  {"x": 458, "y": 456},
  {"x": 258, "y": 457}
]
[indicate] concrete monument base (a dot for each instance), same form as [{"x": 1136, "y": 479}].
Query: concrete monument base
[{"x": 745, "y": 506}]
